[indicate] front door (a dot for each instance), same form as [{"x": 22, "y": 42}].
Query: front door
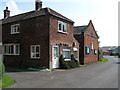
[{"x": 55, "y": 57}]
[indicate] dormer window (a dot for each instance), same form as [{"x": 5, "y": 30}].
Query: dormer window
[
  {"x": 62, "y": 27},
  {"x": 15, "y": 28}
]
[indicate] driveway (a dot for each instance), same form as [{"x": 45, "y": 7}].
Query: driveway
[{"x": 97, "y": 75}]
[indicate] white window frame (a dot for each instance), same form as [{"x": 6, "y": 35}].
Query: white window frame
[
  {"x": 67, "y": 59},
  {"x": 75, "y": 50},
  {"x": 14, "y": 28},
  {"x": 9, "y": 49},
  {"x": 92, "y": 46},
  {"x": 62, "y": 24},
  {"x": 95, "y": 51},
  {"x": 35, "y": 53}
]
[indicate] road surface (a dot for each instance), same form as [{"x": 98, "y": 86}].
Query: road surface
[{"x": 97, "y": 75}]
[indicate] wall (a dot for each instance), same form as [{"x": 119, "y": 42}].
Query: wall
[
  {"x": 60, "y": 38},
  {"x": 88, "y": 58},
  {"x": 33, "y": 31}
]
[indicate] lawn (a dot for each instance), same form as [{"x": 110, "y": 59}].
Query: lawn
[
  {"x": 6, "y": 81},
  {"x": 103, "y": 60}
]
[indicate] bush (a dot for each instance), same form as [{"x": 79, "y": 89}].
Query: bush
[
  {"x": 2, "y": 69},
  {"x": 100, "y": 52},
  {"x": 68, "y": 64}
]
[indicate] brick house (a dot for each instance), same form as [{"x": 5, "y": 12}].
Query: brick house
[
  {"x": 38, "y": 38},
  {"x": 88, "y": 40}
]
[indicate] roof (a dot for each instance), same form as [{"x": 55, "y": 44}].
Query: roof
[
  {"x": 35, "y": 13},
  {"x": 109, "y": 47},
  {"x": 104, "y": 50},
  {"x": 79, "y": 29},
  {"x": 117, "y": 49}
]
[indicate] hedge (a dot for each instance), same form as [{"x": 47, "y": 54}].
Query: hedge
[
  {"x": 73, "y": 63},
  {"x": 2, "y": 69}
]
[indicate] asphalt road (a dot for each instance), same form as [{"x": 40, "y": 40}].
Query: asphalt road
[{"x": 97, "y": 75}]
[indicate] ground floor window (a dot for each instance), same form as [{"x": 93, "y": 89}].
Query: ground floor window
[
  {"x": 66, "y": 53},
  {"x": 35, "y": 51},
  {"x": 95, "y": 51},
  {"x": 75, "y": 50},
  {"x": 11, "y": 49}
]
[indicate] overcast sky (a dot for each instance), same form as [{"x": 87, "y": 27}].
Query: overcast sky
[{"x": 103, "y": 13}]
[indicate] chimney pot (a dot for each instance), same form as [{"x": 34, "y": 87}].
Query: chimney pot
[
  {"x": 6, "y": 13},
  {"x": 38, "y": 5}
]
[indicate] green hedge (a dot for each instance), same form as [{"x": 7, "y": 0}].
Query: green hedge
[
  {"x": 2, "y": 69},
  {"x": 100, "y": 54},
  {"x": 68, "y": 64}
]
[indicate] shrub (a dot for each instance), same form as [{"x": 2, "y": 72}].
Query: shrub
[
  {"x": 75, "y": 61},
  {"x": 100, "y": 52},
  {"x": 2, "y": 69},
  {"x": 68, "y": 64}
]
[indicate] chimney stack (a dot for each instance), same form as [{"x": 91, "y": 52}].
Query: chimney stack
[
  {"x": 6, "y": 13},
  {"x": 38, "y": 5}
]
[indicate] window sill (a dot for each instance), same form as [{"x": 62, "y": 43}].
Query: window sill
[
  {"x": 15, "y": 33},
  {"x": 12, "y": 54},
  {"x": 62, "y": 32},
  {"x": 67, "y": 59},
  {"x": 36, "y": 58}
]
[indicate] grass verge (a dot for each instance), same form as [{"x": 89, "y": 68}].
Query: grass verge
[
  {"x": 6, "y": 81},
  {"x": 103, "y": 60}
]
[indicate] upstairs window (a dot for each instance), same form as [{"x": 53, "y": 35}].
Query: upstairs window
[
  {"x": 12, "y": 49},
  {"x": 62, "y": 27},
  {"x": 15, "y": 29}
]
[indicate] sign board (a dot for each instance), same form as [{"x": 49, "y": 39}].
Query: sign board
[{"x": 87, "y": 50}]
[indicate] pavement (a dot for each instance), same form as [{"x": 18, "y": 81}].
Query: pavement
[{"x": 96, "y": 75}]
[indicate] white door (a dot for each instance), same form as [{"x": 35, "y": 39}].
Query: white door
[{"x": 55, "y": 57}]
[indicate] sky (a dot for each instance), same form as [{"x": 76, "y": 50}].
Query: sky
[{"x": 103, "y": 13}]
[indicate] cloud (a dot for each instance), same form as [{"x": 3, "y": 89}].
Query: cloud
[{"x": 13, "y": 8}]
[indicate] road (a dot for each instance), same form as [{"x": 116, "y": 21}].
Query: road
[{"x": 97, "y": 75}]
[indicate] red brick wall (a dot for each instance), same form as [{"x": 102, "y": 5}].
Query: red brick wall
[
  {"x": 85, "y": 40},
  {"x": 88, "y": 58},
  {"x": 57, "y": 37},
  {"x": 33, "y": 31}
]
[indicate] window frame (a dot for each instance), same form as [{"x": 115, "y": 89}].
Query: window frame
[
  {"x": 61, "y": 29},
  {"x": 92, "y": 46},
  {"x": 13, "y": 29},
  {"x": 35, "y": 53},
  {"x": 75, "y": 50},
  {"x": 8, "y": 49},
  {"x": 67, "y": 50},
  {"x": 95, "y": 51}
]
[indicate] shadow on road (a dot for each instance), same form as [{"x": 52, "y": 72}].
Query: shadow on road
[
  {"x": 13, "y": 69},
  {"x": 117, "y": 62}
]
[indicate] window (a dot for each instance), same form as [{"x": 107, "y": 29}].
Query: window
[
  {"x": 35, "y": 51},
  {"x": 66, "y": 53},
  {"x": 95, "y": 51},
  {"x": 62, "y": 27},
  {"x": 15, "y": 29},
  {"x": 75, "y": 50},
  {"x": 92, "y": 46},
  {"x": 12, "y": 49}
]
